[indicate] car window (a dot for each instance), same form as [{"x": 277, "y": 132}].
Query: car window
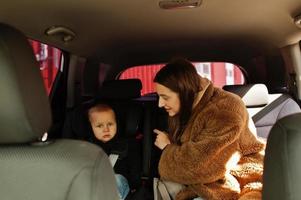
[
  {"x": 49, "y": 59},
  {"x": 220, "y": 73}
]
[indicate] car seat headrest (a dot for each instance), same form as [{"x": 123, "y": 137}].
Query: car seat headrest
[
  {"x": 120, "y": 89},
  {"x": 253, "y": 95},
  {"x": 25, "y": 113}
]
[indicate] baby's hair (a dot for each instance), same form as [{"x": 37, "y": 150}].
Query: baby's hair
[{"x": 100, "y": 108}]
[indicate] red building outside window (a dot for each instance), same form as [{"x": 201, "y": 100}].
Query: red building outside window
[
  {"x": 219, "y": 73},
  {"x": 49, "y": 59}
]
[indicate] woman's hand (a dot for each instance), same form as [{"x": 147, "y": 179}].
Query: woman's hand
[{"x": 162, "y": 139}]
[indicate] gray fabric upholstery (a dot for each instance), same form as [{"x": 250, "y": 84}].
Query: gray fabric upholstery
[
  {"x": 264, "y": 108},
  {"x": 25, "y": 113},
  {"x": 32, "y": 170},
  {"x": 265, "y": 123},
  {"x": 62, "y": 170},
  {"x": 282, "y": 174}
]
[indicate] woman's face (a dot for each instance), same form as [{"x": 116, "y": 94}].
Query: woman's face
[{"x": 168, "y": 99}]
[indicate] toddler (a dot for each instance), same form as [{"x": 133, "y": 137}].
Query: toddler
[{"x": 103, "y": 123}]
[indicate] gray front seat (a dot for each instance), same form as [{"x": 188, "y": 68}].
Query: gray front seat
[
  {"x": 29, "y": 168},
  {"x": 282, "y": 164}
]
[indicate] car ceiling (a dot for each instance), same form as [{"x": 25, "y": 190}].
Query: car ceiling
[{"x": 110, "y": 29}]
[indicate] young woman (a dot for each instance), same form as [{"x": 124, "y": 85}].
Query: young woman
[{"x": 209, "y": 147}]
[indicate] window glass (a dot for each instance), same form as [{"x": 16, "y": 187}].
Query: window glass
[
  {"x": 49, "y": 59},
  {"x": 219, "y": 73}
]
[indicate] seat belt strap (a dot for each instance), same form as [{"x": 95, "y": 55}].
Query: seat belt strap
[
  {"x": 269, "y": 108},
  {"x": 113, "y": 159},
  {"x": 163, "y": 191}
]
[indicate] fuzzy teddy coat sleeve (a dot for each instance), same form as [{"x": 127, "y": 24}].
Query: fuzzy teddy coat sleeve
[{"x": 208, "y": 144}]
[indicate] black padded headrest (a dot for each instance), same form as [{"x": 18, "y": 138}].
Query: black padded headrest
[
  {"x": 118, "y": 94},
  {"x": 25, "y": 113},
  {"x": 120, "y": 89}
]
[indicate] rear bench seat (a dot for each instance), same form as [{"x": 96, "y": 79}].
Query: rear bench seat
[{"x": 264, "y": 108}]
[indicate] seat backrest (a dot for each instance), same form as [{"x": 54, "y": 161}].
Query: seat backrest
[
  {"x": 33, "y": 168},
  {"x": 282, "y": 164},
  {"x": 264, "y": 108}
]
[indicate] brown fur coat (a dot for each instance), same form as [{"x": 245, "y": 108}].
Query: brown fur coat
[{"x": 219, "y": 158}]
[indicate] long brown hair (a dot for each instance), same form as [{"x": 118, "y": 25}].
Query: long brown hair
[{"x": 181, "y": 77}]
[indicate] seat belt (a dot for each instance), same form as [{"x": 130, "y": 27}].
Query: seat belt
[
  {"x": 113, "y": 159},
  {"x": 163, "y": 191},
  {"x": 269, "y": 107}
]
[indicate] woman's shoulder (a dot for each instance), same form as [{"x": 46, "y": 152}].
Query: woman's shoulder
[
  {"x": 222, "y": 103},
  {"x": 227, "y": 99}
]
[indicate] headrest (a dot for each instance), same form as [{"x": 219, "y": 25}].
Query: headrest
[
  {"x": 25, "y": 113},
  {"x": 252, "y": 94},
  {"x": 120, "y": 89}
]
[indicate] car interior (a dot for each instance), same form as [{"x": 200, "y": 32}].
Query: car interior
[{"x": 59, "y": 58}]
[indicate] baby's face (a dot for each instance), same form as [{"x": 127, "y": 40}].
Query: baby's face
[{"x": 103, "y": 125}]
